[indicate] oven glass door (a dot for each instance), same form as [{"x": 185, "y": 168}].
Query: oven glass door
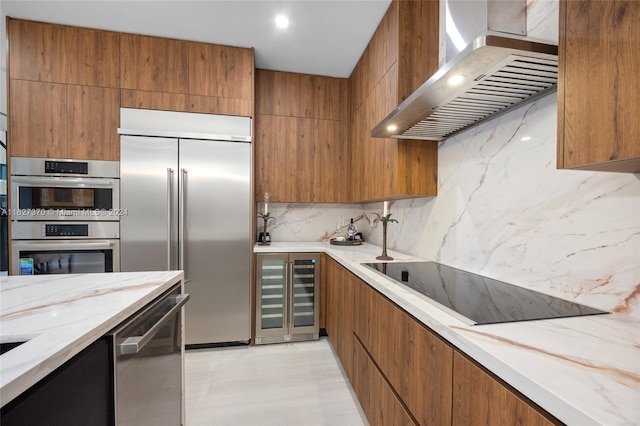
[
  {"x": 65, "y": 257},
  {"x": 46, "y": 198}
]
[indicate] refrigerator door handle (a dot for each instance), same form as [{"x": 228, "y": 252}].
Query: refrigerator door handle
[
  {"x": 169, "y": 180},
  {"x": 285, "y": 299},
  {"x": 183, "y": 177}
]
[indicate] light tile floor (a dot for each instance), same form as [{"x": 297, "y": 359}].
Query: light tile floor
[{"x": 296, "y": 384}]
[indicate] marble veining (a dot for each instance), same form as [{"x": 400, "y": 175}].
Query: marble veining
[
  {"x": 504, "y": 211},
  {"x": 59, "y": 315},
  {"x": 582, "y": 370}
]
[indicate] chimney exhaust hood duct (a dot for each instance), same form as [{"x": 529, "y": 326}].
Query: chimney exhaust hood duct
[{"x": 489, "y": 67}]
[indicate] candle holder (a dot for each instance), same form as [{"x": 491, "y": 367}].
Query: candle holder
[
  {"x": 264, "y": 239},
  {"x": 385, "y": 220}
]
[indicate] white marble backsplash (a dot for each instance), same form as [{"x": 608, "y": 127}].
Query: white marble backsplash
[{"x": 504, "y": 211}]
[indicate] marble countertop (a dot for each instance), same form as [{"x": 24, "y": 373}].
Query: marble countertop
[
  {"x": 582, "y": 370},
  {"x": 60, "y": 315}
]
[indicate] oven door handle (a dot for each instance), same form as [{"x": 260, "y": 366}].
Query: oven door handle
[
  {"x": 31, "y": 245},
  {"x": 133, "y": 345},
  {"x": 62, "y": 181}
]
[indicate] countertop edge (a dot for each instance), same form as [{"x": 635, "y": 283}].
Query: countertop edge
[
  {"x": 460, "y": 335},
  {"x": 71, "y": 341}
]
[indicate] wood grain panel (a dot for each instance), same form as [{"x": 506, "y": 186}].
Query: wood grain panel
[
  {"x": 300, "y": 159},
  {"x": 418, "y": 163},
  {"x": 38, "y": 119},
  {"x": 418, "y": 44},
  {"x": 401, "y": 55},
  {"x": 93, "y": 57},
  {"x": 63, "y": 54},
  {"x": 155, "y": 100},
  {"x": 220, "y": 71},
  {"x": 478, "y": 399},
  {"x": 340, "y": 288},
  {"x": 598, "y": 85},
  {"x": 285, "y": 94},
  {"x": 217, "y": 105},
  {"x": 36, "y": 52},
  {"x": 93, "y": 115},
  {"x": 154, "y": 64},
  {"x": 381, "y": 406},
  {"x": 299, "y": 95},
  {"x": 398, "y": 343}
]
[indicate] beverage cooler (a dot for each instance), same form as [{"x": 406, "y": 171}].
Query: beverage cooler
[{"x": 287, "y": 297}]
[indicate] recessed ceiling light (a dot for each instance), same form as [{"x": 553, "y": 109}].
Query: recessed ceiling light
[
  {"x": 392, "y": 127},
  {"x": 456, "y": 80},
  {"x": 282, "y": 21},
  {"x": 525, "y": 138}
]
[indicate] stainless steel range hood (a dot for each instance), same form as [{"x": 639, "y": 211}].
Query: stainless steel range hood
[{"x": 497, "y": 70}]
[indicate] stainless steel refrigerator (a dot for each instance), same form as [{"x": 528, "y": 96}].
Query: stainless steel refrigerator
[{"x": 186, "y": 204}]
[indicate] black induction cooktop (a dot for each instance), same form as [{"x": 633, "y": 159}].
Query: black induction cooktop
[{"x": 480, "y": 299}]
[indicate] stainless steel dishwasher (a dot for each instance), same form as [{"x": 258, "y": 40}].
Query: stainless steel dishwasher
[{"x": 148, "y": 350}]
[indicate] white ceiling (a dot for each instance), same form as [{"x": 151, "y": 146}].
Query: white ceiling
[{"x": 324, "y": 38}]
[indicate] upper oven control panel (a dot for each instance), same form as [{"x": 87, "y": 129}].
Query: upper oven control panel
[
  {"x": 29, "y": 166},
  {"x": 66, "y": 167}
]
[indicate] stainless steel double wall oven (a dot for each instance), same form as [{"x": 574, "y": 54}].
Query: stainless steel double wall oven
[{"x": 64, "y": 216}]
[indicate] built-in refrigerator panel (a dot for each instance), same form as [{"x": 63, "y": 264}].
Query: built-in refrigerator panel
[
  {"x": 216, "y": 191},
  {"x": 186, "y": 182},
  {"x": 148, "y": 199}
]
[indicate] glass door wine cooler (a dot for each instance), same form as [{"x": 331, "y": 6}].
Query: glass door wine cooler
[{"x": 287, "y": 297}]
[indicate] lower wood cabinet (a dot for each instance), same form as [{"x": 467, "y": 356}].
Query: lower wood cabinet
[
  {"x": 339, "y": 285},
  {"x": 478, "y": 399},
  {"x": 403, "y": 373},
  {"x": 416, "y": 362},
  {"x": 378, "y": 400}
]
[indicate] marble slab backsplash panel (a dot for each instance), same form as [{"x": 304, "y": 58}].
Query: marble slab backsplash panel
[{"x": 504, "y": 211}]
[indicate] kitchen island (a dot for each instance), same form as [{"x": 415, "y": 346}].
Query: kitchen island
[
  {"x": 57, "y": 316},
  {"x": 582, "y": 370}
]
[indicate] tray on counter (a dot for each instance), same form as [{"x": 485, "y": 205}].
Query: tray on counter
[{"x": 335, "y": 242}]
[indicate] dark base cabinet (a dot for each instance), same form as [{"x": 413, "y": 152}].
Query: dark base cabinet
[{"x": 77, "y": 393}]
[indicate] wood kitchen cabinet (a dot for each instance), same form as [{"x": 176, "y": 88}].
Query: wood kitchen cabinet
[
  {"x": 416, "y": 362},
  {"x": 177, "y": 75},
  {"x": 63, "y": 54},
  {"x": 220, "y": 71},
  {"x": 401, "y": 55},
  {"x": 378, "y": 400},
  {"x": 37, "y": 119},
  {"x": 63, "y": 121},
  {"x": 154, "y": 64},
  {"x": 598, "y": 85},
  {"x": 339, "y": 287},
  {"x": 301, "y": 143},
  {"x": 403, "y": 373},
  {"x": 479, "y": 398},
  {"x": 93, "y": 117}
]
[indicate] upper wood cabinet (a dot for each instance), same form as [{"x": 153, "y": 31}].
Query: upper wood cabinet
[
  {"x": 62, "y": 54},
  {"x": 63, "y": 121},
  {"x": 401, "y": 55},
  {"x": 220, "y": 71},
  {"x": 598, "y": 85},
  {"x": 37, "y": 119},
  {"x": 301, "y": 143},
  {"x": 93, "y": 117},
  {"x": 154, "y": 64},
  {"x": 478, "y": 398}
]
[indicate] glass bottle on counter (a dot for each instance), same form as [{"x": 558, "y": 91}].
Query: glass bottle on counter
[{"x": 351, "y": 231}]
